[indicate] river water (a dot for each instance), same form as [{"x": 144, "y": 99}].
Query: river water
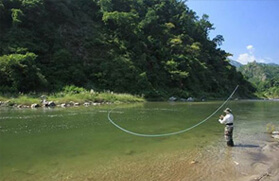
[{"x": 81, "y": 144}]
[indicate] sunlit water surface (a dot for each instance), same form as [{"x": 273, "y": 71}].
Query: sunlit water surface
[{"x": 81, "y": 144}]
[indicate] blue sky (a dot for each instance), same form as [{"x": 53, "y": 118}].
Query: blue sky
[{"x": 250, "y": 27}]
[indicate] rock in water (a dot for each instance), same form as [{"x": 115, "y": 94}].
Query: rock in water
[
  {"x": 35, "y": 105},
  {"x": 51, "y": 104}
]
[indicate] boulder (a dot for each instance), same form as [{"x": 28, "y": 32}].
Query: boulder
[
  {"x": 86, "y": 104},
  {"x": 172, "y": 98},
  {"x": 35, "y": 105},
  {"x": 45, "y": 103},
  {"x": 63, "y": 105},
  {"x": 71, "y": 103},
  {"x": 96, "y": 104},
  {"x": 76, "y": 104},
  {"x": 190, "y": 99},
  {"x": 51, "y": 104}
]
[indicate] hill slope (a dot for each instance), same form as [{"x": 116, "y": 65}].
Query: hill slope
[
  {"x": 156, "y": 48},
  {"x": 264, "y": 76}
]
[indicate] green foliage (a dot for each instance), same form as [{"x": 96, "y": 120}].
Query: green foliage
[
  {"x": 68, "y": 96},
  {"x": 17, "y": 15},
  {"x": 19, "y": 73},
  {"x": 73, "y": 89},
  {"x": 264, "y": 77},
  {"x": 156, "y": 48},
  {"x": 270, "y": 127},
  {"x": 218, "y": 40}
]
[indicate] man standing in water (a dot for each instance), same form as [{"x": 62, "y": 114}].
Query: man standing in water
[{"x": 228, "y": 121}]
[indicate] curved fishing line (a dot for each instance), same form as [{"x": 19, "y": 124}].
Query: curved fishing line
[{"x": 172, "y": 133}]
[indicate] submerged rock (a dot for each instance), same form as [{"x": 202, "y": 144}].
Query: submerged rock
[
  {"x": 129, "y": 152},
  {"x": 193, "y": 162}
]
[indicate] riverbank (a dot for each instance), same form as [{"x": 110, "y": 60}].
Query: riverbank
[
  {"x": 262, "y": 164},
  {"x": 63, "y": 99}
]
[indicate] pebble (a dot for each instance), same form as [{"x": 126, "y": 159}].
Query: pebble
[
  {"x": 275, "y": 136},
  {"x": 193, "y": 162}
]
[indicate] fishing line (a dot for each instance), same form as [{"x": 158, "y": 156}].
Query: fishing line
[{"x": 172, "y": 133}]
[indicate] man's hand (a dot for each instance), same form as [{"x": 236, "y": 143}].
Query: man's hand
[{"x": 221, "y": 117}]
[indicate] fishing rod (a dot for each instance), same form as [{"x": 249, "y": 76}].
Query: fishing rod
[{"x": 171, "y": 133}]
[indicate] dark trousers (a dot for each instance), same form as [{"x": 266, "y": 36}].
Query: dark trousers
[{"x": 229, "y": 135}]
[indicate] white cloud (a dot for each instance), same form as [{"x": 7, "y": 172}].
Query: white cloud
[
  {"x": 246, "y": 58},
  {"x": 249, "y": 56},
  {"x": 250, "y": 47}
]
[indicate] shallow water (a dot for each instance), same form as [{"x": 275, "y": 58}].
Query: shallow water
[{"x": 81, "y": 144}]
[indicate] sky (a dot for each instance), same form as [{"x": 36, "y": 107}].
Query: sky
[{"x": 250, "y": 27}]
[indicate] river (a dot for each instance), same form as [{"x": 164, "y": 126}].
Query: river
[{"x": 80, "y": 143}]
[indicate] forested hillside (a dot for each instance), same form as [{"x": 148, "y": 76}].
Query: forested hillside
[
  {"x": 151, "y": 47},
  {"x": 265, "y": 78}
]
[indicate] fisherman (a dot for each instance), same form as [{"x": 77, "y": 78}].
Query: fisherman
[{"x": 228, "y": 121}]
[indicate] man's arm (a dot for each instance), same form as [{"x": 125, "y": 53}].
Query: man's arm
[{"x": 222, "y": 119}]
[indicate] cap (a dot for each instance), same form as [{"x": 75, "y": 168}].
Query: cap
[{"x": 228, "y": 110}]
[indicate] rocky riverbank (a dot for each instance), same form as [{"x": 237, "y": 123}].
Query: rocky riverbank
[
  {"x": 51, "y": 104},
  {"x": 67, "y": 100}
]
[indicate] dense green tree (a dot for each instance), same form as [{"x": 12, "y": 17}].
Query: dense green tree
[
  {"x": 19, "y": 73},
  {"x": 157, "y": 48}
]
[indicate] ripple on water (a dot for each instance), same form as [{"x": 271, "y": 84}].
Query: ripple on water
[{"x": 84, "y": 146}]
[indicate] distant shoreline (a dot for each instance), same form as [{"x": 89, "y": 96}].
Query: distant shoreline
[{"x": 86, "y": 98}]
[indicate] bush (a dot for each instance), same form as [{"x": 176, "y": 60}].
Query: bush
[
  {"x": 71, "y": 89},
  {"x": 19, "y": 73}
]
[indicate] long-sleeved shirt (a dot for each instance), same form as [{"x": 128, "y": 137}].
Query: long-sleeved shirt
[{"x": 227, "y": 119}]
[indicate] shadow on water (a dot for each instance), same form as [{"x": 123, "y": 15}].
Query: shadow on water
[{"x": 246, "y": 146}]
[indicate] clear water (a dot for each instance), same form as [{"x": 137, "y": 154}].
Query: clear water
[{"x": 81, "y": 144}]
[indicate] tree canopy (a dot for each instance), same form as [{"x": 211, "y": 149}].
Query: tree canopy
[
  {"x": 264, "y": 77},
  {"x": 156, "y": 48}
]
